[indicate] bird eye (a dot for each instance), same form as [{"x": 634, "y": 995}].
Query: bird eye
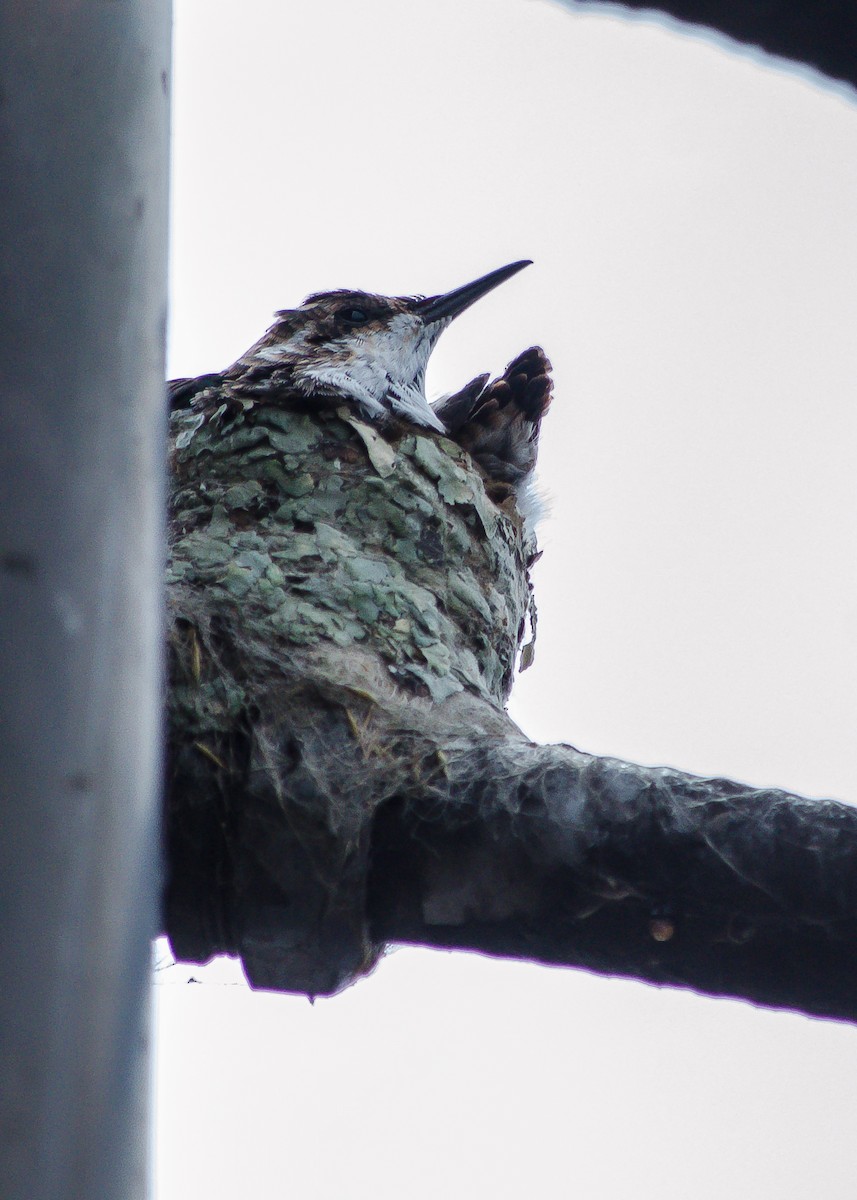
[{"x": 353, "y": 316}]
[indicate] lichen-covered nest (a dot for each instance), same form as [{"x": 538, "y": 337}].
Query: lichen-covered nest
[{"x": 343, "y": 599}]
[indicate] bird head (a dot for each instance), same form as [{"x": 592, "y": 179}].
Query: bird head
[{"x": 367, "y": 348}]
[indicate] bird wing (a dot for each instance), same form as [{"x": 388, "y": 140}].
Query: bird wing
[
  {"x": 498, "y": 422},
  {"x": 181, "y": 392}
]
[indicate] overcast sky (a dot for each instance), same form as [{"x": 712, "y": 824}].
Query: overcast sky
[{"x": 691, "y": 215}]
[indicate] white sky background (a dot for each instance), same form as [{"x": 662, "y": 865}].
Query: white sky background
[{"x": 691, "y": 214}]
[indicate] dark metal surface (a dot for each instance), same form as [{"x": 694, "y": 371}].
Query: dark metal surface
[
  {"x": 83, "y": 162},
  {"x": 820, "y": 33},
  {"x": 642, "y": 872}
]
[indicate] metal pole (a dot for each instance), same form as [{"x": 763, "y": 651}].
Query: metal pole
[
  {"x": 83, "y": 164},
  {"x": 820, "y": 33}
]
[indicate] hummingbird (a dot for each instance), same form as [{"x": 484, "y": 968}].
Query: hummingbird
[{"x": 371, "y": 351}]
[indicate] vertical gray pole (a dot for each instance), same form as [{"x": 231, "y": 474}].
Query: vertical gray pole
[{"x": 83, "y": 165}]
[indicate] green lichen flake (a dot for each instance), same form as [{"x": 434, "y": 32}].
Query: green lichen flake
[{"x": 320, "y": 529}]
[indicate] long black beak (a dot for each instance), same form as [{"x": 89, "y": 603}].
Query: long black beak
[{"x": 439, "y": 308}]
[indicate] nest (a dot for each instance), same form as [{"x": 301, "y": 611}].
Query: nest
[{"x": 342, "y": 602}]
